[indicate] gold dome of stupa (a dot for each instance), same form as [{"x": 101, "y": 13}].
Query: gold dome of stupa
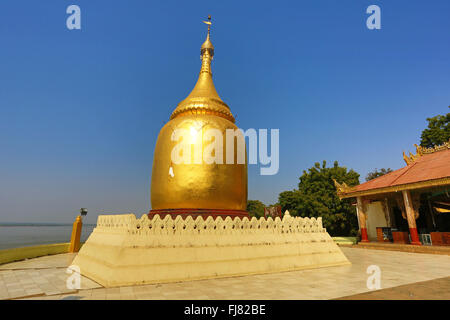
[{"x": 198, "y": 188}]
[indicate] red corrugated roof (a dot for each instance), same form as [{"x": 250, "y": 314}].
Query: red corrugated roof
[{"x": 427, "y": 167}]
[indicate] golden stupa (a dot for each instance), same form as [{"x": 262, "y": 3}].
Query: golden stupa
[
  {"x": 198, "y": 227},
  {"x": 198, "y": 188}
]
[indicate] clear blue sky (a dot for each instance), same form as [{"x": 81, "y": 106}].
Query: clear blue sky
[{"x": 80, "y": 110}]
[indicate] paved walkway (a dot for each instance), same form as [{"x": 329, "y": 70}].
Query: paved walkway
[
  {"x": 438, "y": 289},
  {"x": 45, "y": 278}
]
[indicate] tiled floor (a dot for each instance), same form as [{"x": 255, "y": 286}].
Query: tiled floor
[
  {"x": 27, "y": 280},
  {"x": 44, "y": 276},
  {"x": 437, "y": 289},
  {"x": 46, "y": 262}
]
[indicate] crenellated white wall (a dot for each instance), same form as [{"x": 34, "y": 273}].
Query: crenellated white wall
[{"x": 123, "y": 250}]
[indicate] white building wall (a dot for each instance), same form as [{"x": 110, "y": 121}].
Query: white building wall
[{"x": 375, "y": 218}]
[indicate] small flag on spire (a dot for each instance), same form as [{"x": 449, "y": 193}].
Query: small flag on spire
[{"x": 209, "y": 21}]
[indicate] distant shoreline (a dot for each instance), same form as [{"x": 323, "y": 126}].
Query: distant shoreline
[
  {"x": 37, "y": 224},
  {"x": 25, "y": 234}
]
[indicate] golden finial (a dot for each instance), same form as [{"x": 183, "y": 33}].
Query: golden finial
[
  {"x": 209, "y": 24},
  {"x": 207, "y": 46}
]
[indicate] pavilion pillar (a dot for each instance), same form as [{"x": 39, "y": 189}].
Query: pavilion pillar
[
  {"x": 362, "y": 219},
  {"x": 411, "y": 217}
]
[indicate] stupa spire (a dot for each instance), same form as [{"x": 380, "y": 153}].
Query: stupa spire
[
  {"x": 204, "y": 97},
  {"x": 207, "y": 49}
]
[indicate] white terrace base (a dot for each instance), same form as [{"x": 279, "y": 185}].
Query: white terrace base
[{"x": 123, "y": 250}]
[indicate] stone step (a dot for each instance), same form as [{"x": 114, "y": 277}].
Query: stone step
[{"x": 445, "y": 250}]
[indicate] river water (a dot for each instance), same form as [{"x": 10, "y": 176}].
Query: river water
[{"x": 15, "y": 236}]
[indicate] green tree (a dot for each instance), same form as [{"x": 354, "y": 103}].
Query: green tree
[
  {"x": 375, "y": 174},
  {"x": 438, "y": 131},
  {"x": 316, "y": 196},
  {"x": 289, "y": 200},
  {"x": 255, "y": 208}
]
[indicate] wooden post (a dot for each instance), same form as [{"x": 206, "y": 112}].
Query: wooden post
[
  {"x": 76, "y": 235},
  {"x": 432, "y": 214},
  {"x": 362, "y": 219},
  {"x": 411, "y": 217}
]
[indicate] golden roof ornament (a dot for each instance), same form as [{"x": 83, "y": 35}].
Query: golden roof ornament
[
  {"x": 420, "y": 151},
  {"x": 342, "y": 188}
]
